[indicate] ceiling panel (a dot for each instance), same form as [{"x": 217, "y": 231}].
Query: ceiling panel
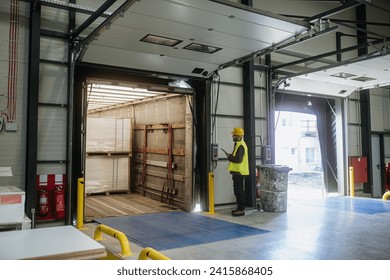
[
  {"x": 343, "y": 80},
  {"x": 237, "y": 29}
]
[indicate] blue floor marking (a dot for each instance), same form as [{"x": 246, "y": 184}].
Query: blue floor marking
[
  {"x": 170, "y": 230},
  {"x": 355, "y": 204}
]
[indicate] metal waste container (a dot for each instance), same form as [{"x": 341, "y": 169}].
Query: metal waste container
[{"x": 273, "y": 187}]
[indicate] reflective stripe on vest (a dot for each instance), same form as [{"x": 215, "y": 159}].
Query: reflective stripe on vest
[{"x": 243, "y": 166}]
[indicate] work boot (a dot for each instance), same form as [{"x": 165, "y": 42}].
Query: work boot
[
  {"x": 238, "y": 212},
  {"x": 235, "y": 210}
]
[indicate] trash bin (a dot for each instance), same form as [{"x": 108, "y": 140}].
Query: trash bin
[{"x": 273, "y": 187}]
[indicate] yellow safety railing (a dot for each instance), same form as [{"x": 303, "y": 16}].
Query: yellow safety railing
[
  {"x": 125, "y": 245},
  {"x": 351, "y": 181},
  {"x": 80, "y": 203},
  {"x": 151, "y": 253},
  {"x": 211, "y": 192},
  {"x": 386, "y": 195}
]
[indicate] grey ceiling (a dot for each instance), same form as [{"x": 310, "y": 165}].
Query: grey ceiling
[
  {"x": 237, "y": 29},
  {"x": 241, "y": 33}
]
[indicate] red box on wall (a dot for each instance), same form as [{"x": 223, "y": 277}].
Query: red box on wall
[{"x": 359, "y": 165}]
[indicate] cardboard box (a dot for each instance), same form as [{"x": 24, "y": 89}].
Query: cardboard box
[{"x": 11, "y": 205}]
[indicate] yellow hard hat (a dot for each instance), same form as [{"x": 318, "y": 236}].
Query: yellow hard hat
[{"x": 238, "y": 131}]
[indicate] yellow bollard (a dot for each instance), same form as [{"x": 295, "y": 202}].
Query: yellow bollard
[
  {"x": 124, "y": 242},
  {"x": 211, "y": 192},
  {"x": 80, "y": 203},
  {"x": 151, "y": 253},
  {"x": 351, "y": 181}
]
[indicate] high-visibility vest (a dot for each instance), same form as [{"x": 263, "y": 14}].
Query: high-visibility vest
[{"x": 243, "y": 166}]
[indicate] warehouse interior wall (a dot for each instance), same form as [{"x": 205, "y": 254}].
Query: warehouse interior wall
[
  {"x": 45, "y": 73},
  {"x": 227, "y": 113}
]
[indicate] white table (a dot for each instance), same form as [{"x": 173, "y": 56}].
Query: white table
[{"x": 60, "y": 243}]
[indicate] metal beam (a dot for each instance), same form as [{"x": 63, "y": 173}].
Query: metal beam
[
  {"x": 346, "y": 6},
  {"x": 309, "y": 37},
  {"x": 103, "y": 26},
  {"x": 357, "y": 47},
  {"x": 275, "y": 48},
  {"x": 72, "y": 7},
  {"x": 99, "y": 12},
  {"x": 71, "y": 182},
  {"x": 248, "y": 77},
  {"x": 337, "y": 64},
  {"x": 32, "y": 108},
  {"x": 368, "y": 2},
  {"x": 362, "y": 30}
]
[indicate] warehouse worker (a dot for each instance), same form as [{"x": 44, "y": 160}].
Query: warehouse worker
[{"x": 238, "y": 167}]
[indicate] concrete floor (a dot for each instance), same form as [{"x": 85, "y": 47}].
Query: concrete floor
[{"x": 315, "y": 229}]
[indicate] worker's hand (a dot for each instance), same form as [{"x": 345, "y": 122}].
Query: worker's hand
[{"x": 226, "y": 153}]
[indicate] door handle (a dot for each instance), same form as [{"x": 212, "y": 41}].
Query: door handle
[{"x": 377, "y": 166}]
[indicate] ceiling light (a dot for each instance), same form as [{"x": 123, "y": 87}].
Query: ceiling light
[
  {"x": 159, "y": 40},
  {"x": 363, "y": 79},
  {"x": 202, "y": 48},
  {"x": 343, "y": 75},
  {"x": 197, "y": 70}
]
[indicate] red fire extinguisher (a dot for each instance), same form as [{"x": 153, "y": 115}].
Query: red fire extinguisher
[
  {"x": 59, "y": 202},
  {"x": 43, "y": 208}
]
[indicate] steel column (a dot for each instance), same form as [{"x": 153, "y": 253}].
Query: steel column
[
  {"x": 71, "y": 194},
  {"x": 32, "y": 108},
  {"x": 365, "y": 111},
  {"x": 249, "y": 128},
  {"x": 248, "y": 72},
  {"x": 270, "y": 108}
]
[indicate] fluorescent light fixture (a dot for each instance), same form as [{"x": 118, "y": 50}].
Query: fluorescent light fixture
[
  {"x": 197, "y": 70},
  {"x": 343, "y": 91},
  {"x": 202, "y": 48},
  {"x": 343, "y": 75},
  {"x": 363, "y": 79},
  {"x": 160, "y": 40}
]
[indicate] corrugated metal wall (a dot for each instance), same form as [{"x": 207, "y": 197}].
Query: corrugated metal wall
[
  {"x": 13, "y": 144},
  {"x": 53, "y": 95},
  {"x": 230, "y": 114}
]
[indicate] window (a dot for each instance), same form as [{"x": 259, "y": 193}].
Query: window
[{"x": 311, "y": 155}]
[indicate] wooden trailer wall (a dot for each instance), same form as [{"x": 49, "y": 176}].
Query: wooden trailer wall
[{"x": 161, "y": 148}]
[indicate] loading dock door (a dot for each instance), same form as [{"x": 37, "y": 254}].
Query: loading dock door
[
  {"x": 327, "y": 123},
  {"x": 341, "y": 81},
  {"x": 146, "y": 142},
  {"x": 185, "y": 37}
]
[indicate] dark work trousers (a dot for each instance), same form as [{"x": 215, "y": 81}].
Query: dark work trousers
[{"x": 238, "y": 186}]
